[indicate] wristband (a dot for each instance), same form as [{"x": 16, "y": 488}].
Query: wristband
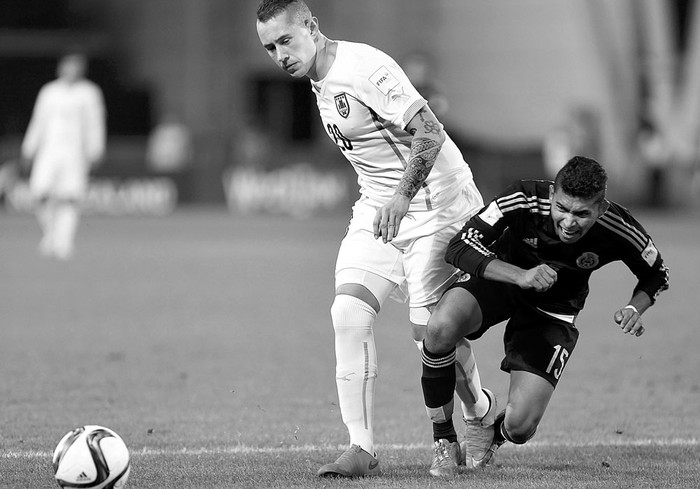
[{"x": 630, "y": 306}]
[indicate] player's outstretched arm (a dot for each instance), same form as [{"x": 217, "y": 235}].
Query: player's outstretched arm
[
  {"x": 629, "y": 318},
  {"x": 428, "y": 137}
]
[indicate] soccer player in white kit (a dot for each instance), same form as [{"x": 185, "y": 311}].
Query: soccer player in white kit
[
  {"x": 65, "y": 137},
  {"x": 415, "y": 192}
]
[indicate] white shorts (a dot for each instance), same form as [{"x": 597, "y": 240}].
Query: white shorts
[
  {"x": 59, "y": 176},
  {"x": 415, "y": 260}
]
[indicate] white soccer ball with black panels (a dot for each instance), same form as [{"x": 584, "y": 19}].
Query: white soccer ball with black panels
[{"x": 92, "y": 457}]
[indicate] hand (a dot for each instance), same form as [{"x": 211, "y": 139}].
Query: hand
[
  {"x": 540, "y": 278},
  {"x": 388, "y": 218},
  {"x": 630, "y": 321}
]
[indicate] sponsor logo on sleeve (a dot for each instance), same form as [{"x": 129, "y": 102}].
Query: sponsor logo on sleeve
[
  {"x": 530, "y": 241},
  {"x": 384, "y": 80},
  {"x": 650, "y": 253},
  {"x": 492, "y": 214}
]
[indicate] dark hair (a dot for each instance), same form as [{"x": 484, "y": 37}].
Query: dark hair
[
  {"x": 268, "y": 9},
  {"x": 582, "y": 177}
]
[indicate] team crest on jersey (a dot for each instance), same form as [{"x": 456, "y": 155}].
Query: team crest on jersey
[
  {"x": 587, "y": 260},
  {"x": 341, "y": 103}
]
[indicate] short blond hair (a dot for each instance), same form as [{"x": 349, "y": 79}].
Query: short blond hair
[{"x": 269, "y": 9}]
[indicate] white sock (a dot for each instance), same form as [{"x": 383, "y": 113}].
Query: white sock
[
  {"x": 66, "y": 225},
  {"x": 45, "y": 215},
  {"x": 356, "y": 367},
  {"x": 475, "y": 404}
]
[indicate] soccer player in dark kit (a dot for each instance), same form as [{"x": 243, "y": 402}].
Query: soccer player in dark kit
[{"x": 528, "y": 256}]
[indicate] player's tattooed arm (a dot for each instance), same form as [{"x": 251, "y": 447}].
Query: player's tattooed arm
[
  {"x": 424, "y": 151},
  {"x": 425, "y": 146},
  {"x": 427, "y": 141}
]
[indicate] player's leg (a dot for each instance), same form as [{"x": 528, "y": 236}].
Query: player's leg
[
  {"x": 41, "y": 181},
  {"x": 353, "y": 313},
  {"x": 71, "y": 185},
  {"x": 456, "y": 315},
  {"x": 528, "y": 397},
  {"x": 367, "y": 271},
  {"x": 45, "y": 212},
  {"x": 479, "y": 418},
  {"x": 538, "y": 346},
  {"x": 478, "y": 404},
  {"x": 428, "y": 276},
  {"x": 66, "y": 218},
  {"x": 474, "y": 400},
  {"x": 467, "y": 309}
]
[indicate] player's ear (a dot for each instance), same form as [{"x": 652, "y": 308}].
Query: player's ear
[
  {"x": 604, "y": 206},
  {"x": 313, "y": 27},
  {"x": 551, "y": 192}
]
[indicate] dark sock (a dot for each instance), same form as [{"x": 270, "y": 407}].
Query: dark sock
[
  {"x": 445, "y": 431},
  {"x": 438, "y": 382}
]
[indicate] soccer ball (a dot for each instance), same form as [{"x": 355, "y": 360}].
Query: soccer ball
[{"x": 91, "y": 456}]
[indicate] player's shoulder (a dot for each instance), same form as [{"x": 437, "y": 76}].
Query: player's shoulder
[
  {"x": 360, "y": 49},
  {"x": 616, "y": 213},
  {"x": 89, "y": 86},
  {"x": 51, "y": 86},
  {"x": 534, "y": 187},
  {"x": 618, "y": 220},
  {"x": 531, "y": 196},
  {"x": 360, "y": 57},
  {"x": 527, "y": 190}
]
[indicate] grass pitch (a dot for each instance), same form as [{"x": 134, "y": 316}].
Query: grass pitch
[{"x": 204, "y": 340}]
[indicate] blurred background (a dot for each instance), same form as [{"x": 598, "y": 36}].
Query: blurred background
[{"x": 198, "y": 114}]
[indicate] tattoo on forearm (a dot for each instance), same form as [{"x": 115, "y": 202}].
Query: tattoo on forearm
[{"x": 424, "y": 151}]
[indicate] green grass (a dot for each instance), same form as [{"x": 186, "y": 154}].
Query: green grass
[
  {"x": 543, "y": 467},
  {"x": 204, "y": 339}
]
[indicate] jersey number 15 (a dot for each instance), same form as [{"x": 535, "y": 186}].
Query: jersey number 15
[{"x": 560, "y": 356}]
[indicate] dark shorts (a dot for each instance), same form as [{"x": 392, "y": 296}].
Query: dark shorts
[{"x": 534, "y": 341}]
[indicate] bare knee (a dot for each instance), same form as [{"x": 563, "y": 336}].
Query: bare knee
[
  {"x": 457, "y": 315},
  {"x": 441, "y": 335},
  {"x": 520, "y": 424},
  {"x": 528, "y": 397}
]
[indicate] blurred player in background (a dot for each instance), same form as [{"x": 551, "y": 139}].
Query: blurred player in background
[
  {"x": 529, "y": 255},
  {"x": 65, "y": 138},
  {"x": 415, "y": 193}
]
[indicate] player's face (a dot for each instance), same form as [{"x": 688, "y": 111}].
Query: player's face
[
  {"x": 573, "y": 217},
  {"x": 289, "y": 43},
  {"x": 71, "y": 68}
]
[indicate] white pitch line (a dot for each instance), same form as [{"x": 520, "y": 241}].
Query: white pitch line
[{"x": 251, "y": 450}]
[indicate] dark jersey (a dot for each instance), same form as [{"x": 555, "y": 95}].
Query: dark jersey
[{"x": 516, "y": 227}]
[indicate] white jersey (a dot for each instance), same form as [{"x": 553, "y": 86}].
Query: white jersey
[
  {"x": 365, "y": 102},
  {"x": 67, "y": 123}
]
